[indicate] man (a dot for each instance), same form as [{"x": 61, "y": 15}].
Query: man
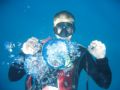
[{"x": 93, "y": 60}]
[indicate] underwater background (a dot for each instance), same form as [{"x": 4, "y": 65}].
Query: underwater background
[{"x": 95, "y": 19}]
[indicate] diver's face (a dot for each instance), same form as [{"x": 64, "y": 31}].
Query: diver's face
[{"x": 64, "y": 30}]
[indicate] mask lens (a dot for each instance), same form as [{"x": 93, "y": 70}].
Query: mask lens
[{"x": 64, "y": 29}]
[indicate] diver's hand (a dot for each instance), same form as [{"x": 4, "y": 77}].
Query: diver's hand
[
  {"x": 97, "y": 49},
  {"x": 49, "y": 88},
  {"x": 31, "y": 46}
]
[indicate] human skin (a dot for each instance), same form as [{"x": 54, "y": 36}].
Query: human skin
[{"x": 49, "y": 88}]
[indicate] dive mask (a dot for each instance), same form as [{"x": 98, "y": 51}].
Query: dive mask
[{"x": 64, "y": 29}]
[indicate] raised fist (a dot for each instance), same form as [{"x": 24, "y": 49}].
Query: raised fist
[
  {"x": 31, "y": 46},
  {"x": 97, "y": 49}
]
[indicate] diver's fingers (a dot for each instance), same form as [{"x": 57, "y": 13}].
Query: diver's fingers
[
  {"x": 97, "y": 45},
  {"x": 49, "y": 88},
  {"x": 31, "y": 46},
  {"x": 46, "y": 88},
  {"x": 97, "y": 49}
]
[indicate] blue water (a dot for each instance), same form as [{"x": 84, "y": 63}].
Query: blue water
[{"x": 95, "y": 19}]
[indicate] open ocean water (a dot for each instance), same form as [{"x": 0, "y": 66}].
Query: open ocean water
[{"x": 95, "y": 19}]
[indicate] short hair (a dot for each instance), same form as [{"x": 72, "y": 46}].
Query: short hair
[{"x": 64, "y": 16}]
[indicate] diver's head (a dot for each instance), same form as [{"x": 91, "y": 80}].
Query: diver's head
[{"x": 64, "y": 25}]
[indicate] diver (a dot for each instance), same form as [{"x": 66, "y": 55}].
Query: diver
[{"x": 93, "y": 60}]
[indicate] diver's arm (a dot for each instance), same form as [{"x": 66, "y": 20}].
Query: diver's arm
[
  {"x": 16, "y": 70},
  {"x": 98, "y": 69}
]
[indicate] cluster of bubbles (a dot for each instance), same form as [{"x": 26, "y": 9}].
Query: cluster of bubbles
[
  {"x": 57, "y": 53},
  {"x": 60, "y": 54},
  {"x": 35, "y": 65},
  {"x": 11, "y": 48},
  {"x": 74, "y": 51},
  {"x": 51, "y": 57}
]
